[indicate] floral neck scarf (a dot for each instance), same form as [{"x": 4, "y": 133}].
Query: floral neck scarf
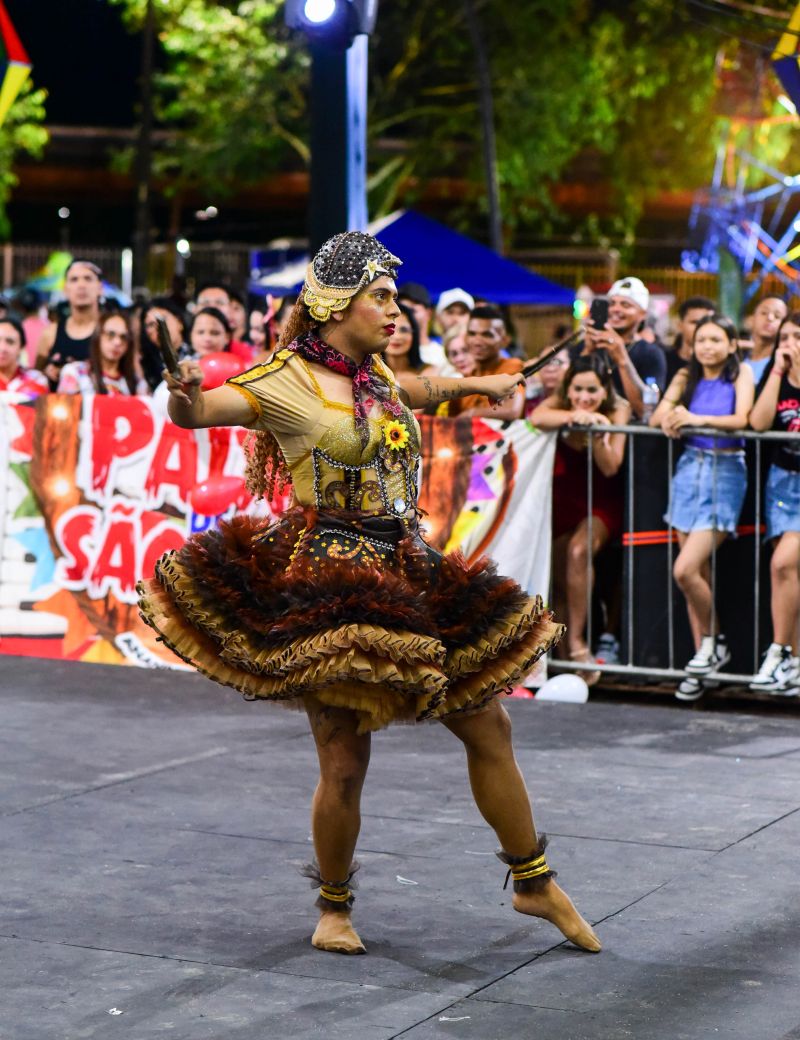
[{"x": 368, "y": 386}]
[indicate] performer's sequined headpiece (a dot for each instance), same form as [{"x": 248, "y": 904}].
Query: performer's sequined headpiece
[{"x": 342, "y": 267}]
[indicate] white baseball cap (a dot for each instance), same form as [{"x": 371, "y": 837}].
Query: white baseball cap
[
  {"x": 451, "y": 296},
  {"x": 632, "y": 289}
]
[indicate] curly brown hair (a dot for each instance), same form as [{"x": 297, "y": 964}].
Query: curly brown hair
[{"x": 266, "y": 471}]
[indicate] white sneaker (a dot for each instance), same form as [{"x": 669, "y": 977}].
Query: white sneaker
[
  {"x": 711, "y": 657},
  {"x": 606, "y": 649},
  {"x": 690, "y": 689},
  {"x": 778, "y": 670}
]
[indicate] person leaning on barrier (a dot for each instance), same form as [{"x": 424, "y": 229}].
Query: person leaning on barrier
[
  {"x": 710, "y": 481},
  {"x": 585, "y": 397},
  {"x": 634, "y": 362},
  {"x": 777, "y": 407}
]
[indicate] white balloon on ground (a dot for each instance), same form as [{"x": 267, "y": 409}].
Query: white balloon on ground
[{"x": 567, "y": 688}]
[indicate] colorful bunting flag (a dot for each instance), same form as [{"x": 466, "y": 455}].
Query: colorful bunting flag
[{"x": 15, "y": 65}]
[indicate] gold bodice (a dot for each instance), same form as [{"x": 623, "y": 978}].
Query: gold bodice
[{"x": 322, "y": 446}]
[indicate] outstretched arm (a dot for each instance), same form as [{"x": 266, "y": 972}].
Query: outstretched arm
[
  {"x": 192, "y": 409},
  {"x": 432, "y": 390}
]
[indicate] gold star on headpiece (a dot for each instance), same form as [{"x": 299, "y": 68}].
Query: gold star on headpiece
[{"x": 373, "y": 269}]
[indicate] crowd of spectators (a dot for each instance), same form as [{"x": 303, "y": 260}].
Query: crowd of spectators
[{"x": 712, "y": 375}]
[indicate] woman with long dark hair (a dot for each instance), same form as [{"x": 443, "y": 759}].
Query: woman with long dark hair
[
  {"x": 585, "y": 397},
  {"x": 708, "y": 488},
  {"x": 402, "y": 351},
  {"x": 111, "y": 368}
]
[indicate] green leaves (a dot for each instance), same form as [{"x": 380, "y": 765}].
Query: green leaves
[
  {"x": 605, "y": 93},
  {"x": 22, "y": 132},
  {"x": 231, "y": 92}
]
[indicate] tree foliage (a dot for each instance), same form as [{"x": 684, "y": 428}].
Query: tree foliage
[
  {"x": 230, "y": 87},
  {"x": 596, "y": 92},
  {"x": 22, "y": 133},
  {"x": 600, "y": 92}
]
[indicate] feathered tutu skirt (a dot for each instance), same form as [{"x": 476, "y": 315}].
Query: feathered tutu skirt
[{"x": 354, "y": 610}]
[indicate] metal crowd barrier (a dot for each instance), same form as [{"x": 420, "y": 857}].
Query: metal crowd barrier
[{"x": 630, "y": 668}]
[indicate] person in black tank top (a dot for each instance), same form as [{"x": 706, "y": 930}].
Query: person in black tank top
[{"x": 69, "y": 339}]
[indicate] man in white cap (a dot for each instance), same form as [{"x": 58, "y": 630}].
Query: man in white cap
[
  {"x": 453, "y": 308},
  {"x": 633, "y": 360}
]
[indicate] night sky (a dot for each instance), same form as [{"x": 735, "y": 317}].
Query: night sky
[{"x": 83, "y": 56}]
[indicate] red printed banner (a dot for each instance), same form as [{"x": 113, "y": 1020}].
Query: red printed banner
[{"x": 97, "y": 489}]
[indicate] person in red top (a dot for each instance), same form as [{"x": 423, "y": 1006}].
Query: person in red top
[
  {"x": 13, "y": 377},
  {"x": 486, "y": 334},
  {"x": 213, "y": 294}
]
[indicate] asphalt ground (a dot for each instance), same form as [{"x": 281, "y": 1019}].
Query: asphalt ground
[{"x": 151, "y": 825}]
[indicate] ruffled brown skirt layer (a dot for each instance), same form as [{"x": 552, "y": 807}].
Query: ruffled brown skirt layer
[{"x": 353, "y": 610}]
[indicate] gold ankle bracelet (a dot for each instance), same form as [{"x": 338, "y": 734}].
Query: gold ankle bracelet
[
  {"x": 528, "y": 872},
  {"x": 333, "y": 895}
]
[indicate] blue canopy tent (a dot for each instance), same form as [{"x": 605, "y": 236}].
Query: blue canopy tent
[{"x": 439, "y": 259}]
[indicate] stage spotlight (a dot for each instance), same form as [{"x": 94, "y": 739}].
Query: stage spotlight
[
  {"x": 319, "y": 11},
  {"x": 332, "y": 23}
]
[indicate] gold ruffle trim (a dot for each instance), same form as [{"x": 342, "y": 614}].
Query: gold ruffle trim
[{"x": 383, "y": 675}]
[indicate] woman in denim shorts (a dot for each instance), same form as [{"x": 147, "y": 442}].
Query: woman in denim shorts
[
  {"x": 778, "y": 408},
  {"x": 710, "y": 480}
]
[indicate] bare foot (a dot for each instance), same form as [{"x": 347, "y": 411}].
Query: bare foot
[
  {"x": 335, "y": 933},
  {"x": 582, "y": 654},
  {"x": 554, "y": 905}
]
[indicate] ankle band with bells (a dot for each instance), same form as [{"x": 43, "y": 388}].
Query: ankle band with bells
[{"x": 528, "y": 872}]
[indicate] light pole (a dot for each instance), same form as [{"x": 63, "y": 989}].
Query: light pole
[
  {"x": 487, "y": 127},
  {"x": 144, "y": 151},
  {"x": 337, "y": 31}
]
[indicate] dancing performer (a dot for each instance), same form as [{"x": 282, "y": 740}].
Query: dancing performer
[{"x": 340, "y": 608}]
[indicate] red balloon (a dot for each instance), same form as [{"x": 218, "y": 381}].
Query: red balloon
[
  {"x": 218, "y": 367},
  {"x": 217, "y": 494}
]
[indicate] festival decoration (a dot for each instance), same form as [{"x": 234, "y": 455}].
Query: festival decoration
[
  {"x": 215, "y": 496},
  {"x": 15, "y": 65},
  {"x": 744, "y": 212},
  {"x": 218, "y": 367},
  {"x": 763, "y": 241},
  {"x": 98, "y": 488}
]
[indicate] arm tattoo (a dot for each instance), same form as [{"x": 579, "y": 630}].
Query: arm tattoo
[{"x": 439, "y": 393}]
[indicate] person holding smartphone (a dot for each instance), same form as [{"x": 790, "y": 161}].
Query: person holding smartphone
[{"x": 634, "y": 362}]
